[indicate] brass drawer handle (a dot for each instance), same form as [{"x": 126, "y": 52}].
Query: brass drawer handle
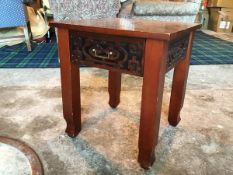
[{"x": 108, "y": 56}]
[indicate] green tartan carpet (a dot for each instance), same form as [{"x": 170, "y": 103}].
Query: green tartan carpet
[
  {"x": 206, "y": 50},
  {"x": 43, "y": 55},
  {"x": 211, "y": 50}
]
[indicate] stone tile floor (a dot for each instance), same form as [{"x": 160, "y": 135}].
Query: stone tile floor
[{"x": 31, "y": 111}]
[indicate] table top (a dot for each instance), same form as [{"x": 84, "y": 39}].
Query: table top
[{"x": 140, "y": 28}]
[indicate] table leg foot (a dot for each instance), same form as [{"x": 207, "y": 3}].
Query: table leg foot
[
  {"x": 114, "y": 105},
  {"x": 174, "y": 120},
  {"x": 146, "y": 160},
  {"x": 71, "y": 133},
  {"x": 72, "y": 130},
  {"x": 114, "y": 88}
]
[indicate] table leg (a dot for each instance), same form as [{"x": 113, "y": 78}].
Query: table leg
[
  {"x": 114, "y": 88},
  {"x": 179, "y": 86},
  {"x": 70, "y": 83},
  {"x": 152, "y": 93}
]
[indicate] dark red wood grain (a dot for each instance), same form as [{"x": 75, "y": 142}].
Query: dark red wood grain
[
  {"x": 152, "y": 93},
  {"x": 114, "y": 88},
  {"x": 70, "y": 83},
  {"x": 180, "y": 77}
]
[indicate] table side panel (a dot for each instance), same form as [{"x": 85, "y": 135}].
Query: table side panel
[{"x": 177, "y": 51}]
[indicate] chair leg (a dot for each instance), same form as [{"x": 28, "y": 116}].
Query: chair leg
[{"x": 27, "y": 38}]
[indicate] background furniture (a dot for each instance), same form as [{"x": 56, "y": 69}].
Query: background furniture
[
  {"x": 133, "y": 47},
  {"x": 43, "y": 4},
  {"x": 163, "y": 10},
  {"x": 13, "y": 14},
  {"x": 18, "y": 158},
  {"x": 83, "y": 9}
]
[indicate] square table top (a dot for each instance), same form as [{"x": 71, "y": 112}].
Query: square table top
[{"x": 140, "y": 28}]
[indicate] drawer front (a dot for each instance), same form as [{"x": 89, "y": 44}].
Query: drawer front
[{"x": 106, "y": 51}]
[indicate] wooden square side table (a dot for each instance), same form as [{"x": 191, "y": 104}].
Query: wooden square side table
[{"x": 143, "y": 48}]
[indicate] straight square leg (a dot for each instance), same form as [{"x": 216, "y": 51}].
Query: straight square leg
[
  {"x": 152, "y": 93},
  {"x": 70, "y": 83},
  {"x": 179, "y": 86},
  {"x": 114, "y": 88}
]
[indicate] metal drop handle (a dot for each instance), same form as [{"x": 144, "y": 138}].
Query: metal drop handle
[{"x": 109, "y": 54}]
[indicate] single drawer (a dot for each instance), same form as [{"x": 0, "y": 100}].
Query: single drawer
[{"x": 107, "y": 51}]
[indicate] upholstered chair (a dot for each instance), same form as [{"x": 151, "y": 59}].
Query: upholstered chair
[
  {"x": 13, "y": 14},
  {"x": 163, "y": 10},
  {"x": 84, "y": 9}
]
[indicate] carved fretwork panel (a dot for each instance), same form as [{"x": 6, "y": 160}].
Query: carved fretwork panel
[
  {"x": 177, "y": 51},
  {"x": 106, "y": 51}
]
